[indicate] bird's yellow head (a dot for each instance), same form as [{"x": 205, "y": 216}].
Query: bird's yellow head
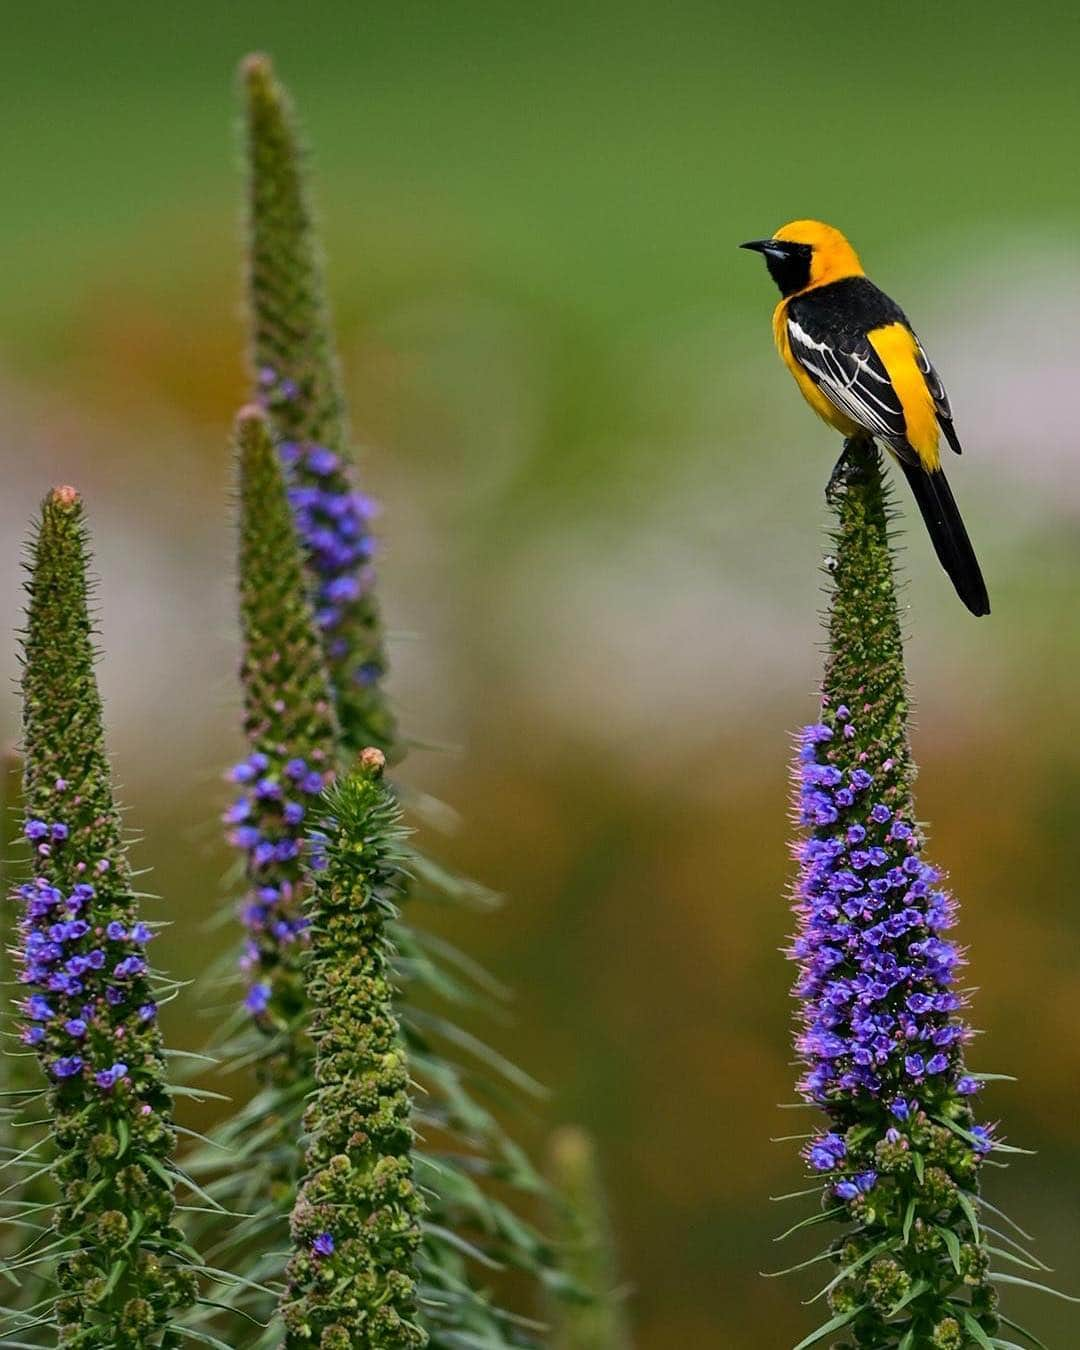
[{"x": 807, "y": 253}]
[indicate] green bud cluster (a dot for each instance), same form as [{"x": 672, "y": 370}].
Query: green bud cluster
[{"x": 356, "y": 1224}]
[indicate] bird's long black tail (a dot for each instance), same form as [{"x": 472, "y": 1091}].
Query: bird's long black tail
[{"x": 947, "y": 533}]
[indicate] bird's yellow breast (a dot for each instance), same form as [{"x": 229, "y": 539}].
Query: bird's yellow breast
[
  {"x": 896, "y": 346},
  {"x": 827, "y": 411}
]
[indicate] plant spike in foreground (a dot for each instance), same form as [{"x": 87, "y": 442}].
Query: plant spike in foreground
[
  {"x": 297, "y": 380},
  {"x": 297, "y": 384},
  {"x": 89, "y": 1009},
  {"x": 591, "y": 1315},
  {"x": 881, "y": 1036},
  {"x": 352, "y": 1281}
]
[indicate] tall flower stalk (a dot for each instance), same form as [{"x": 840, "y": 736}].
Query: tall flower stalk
[
  {"x": 591, "y": 1314},
  {"x": 89, "y": 1006},
  {"x": 881, "y": 1026},
  {"x": 352, "y": 1281},
  {"x": 291, "y": 732},
  {"x": 296, "y": 385},
  {"x": 297, "y": 379},
  {"x": 292, "y": 744}
]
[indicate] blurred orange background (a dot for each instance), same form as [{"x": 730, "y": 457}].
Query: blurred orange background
[{"x": 603, "y": 516}]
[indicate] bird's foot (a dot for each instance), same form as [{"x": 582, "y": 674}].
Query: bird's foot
[{"x": 849, "y": 468}]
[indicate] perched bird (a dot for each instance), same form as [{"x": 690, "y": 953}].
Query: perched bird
[{"x": 861, "y": 367}]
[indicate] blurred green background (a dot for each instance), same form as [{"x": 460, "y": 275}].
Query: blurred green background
[{"x": 603, "y": 512}]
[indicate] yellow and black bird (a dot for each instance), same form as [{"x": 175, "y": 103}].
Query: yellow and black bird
[{"x": 861, "y": 367}]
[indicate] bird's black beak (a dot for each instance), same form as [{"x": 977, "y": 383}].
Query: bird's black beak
[{"x": 759, "y": 245}]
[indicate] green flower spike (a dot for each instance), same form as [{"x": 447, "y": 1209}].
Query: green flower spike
[
  {"x": 467, "y": 1228},
  {"x": 90, "y": 1013},
  {"x": 590, "y": 1315},
  {"x": 881, "y": 1035},
  {"x": 291, "y": 732},
  {"x": 352, "y": 1281},
  {"x": 254, "y": 1162},
  {"x": 297, "y": 380}
]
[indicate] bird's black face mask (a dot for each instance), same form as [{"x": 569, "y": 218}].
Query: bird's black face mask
[{"x": 788, "y": 264}]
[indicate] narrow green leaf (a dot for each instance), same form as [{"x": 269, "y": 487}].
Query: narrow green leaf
[
  {"x": 952, "y": 1242},
  {"x": 975, "y": 1331},
  {"x": 833, "y": 1324},
  {"x": 1028, "y": 1335},
  {"x": 1000, "y": 1278},
  {"x": 823, "y": 1217},
  {"x": 909, "y": 1219}
]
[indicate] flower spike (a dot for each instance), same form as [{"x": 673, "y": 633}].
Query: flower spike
[
  {"x": 296, "y": 379},
  {"x": 881, "y": 1032},
  {"x": 589, "y": 1314},
  {"x": 291, "y": 730},
  {"x": 352, "y": 1281},
  {"x": 89, "y": 1008}
]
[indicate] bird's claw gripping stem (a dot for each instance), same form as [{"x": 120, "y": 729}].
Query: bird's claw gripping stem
[{"x": 849, "y": 468}]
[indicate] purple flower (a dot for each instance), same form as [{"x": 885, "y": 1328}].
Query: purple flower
[
  {"x": 238, "y": 812},
  {"x": 258, "y": 998},
  {"x": 129, "y": 967},
  {"x": 323, "y": 1245},
  {"x": 246, "y": 837},
  {"x": 69, "y": 1067},
  {"x": 108, "y": 1078},
  {"x": 322, "y": 461},
  {"x": 35, "y": 830},
  {"x": 826, "y": 1153},
  {"x": 982, "y": 1135}
]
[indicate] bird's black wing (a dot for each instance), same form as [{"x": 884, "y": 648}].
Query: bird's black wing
[
  {"x": 937, "y": 392},
  {"x": 827, "y": 331}
]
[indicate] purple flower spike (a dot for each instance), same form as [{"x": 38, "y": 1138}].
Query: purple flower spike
[{"x": 880, "y": 1023}]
